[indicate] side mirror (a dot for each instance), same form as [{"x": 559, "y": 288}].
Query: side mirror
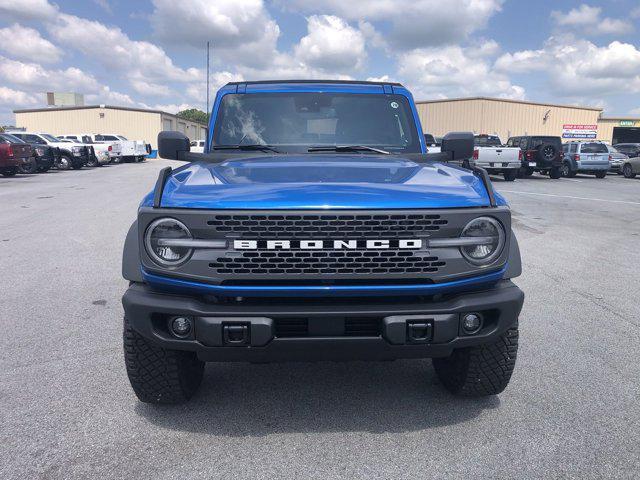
[
  {"x": 459, "y": 145},
  {"x": 173, "y": 145}
]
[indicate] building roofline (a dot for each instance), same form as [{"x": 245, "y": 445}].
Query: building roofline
[
  {"x": 347, "y": 82},
  {"x": 110, "y": 107},
  {"x": 508, "y": 100},
  {"x": 635, "y": 119}
]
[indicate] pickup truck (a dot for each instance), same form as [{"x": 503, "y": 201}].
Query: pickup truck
[
  {"x": 130, "y": 150},
  {"x": 316, "y": 227},
  {"x": 71, "y": 154},
  {"x": 44, "y": 157},
  {"x": 105, "y": 152},
  {"x": 490, "y": 154},
  {"x": 13, "y": 154}
]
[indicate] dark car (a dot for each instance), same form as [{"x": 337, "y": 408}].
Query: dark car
[
  {"x": 13, "y": 155},
  {"x": 43, "y": 155},
  {"x": 540, "y": 153}
]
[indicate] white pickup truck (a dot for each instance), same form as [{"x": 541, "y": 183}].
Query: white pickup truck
[
  {"x": 490, "y": 154},
  {"x": 106, "y": 152},
  {"x": 132, "y": 150}
]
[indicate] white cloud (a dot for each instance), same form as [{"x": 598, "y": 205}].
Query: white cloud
[
  {"x": 16, "y": 98},
  {"x": 421, "y": 23},
  {"x": 198, "y": 91},
  {"x": 239, "y": 31},
  {"x": 114, "y": 49},
  {"x": 173, "y": 107},
  {"x": 38, "y": 78},
  {"x": 586, "y": 69},
  {"x": 27, "y": 9},
  {"x": 107, "y": 96},
  {"x": 331, "y": 45},
  {"x": 105, "y": 5},
  {"x": 452, "y": 72},
  {"x": 149, "y": 88},
  {"x": 588, "y": 20},
  {"x": 26, "y": 44}
]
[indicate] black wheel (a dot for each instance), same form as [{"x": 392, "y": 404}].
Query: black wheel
[
  {"x": 555, "y": 173},
  {"x": 77, "y": 165},
  {"x": 9, "y": 172},
  {"x": 510, "y": 175},
  {"x": 627, "y": 171},
  {"x": 566, "y": 171},
  {"x": 44, "y": 169},
  {"x": 480, "y": 371},
  {"x": 158, "y": 375},
  {"x": 93, "y": 161},
  {"x": 547, "y": 152},
  {"x": 601, "y": 174},
  {"x": 65, "y": 162},
  {"x": 29, "y": 168}
]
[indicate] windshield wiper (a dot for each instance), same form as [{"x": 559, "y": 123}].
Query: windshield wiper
[
  {"x": 347, "y": 148},
  {"x": 256, "y": 146}
]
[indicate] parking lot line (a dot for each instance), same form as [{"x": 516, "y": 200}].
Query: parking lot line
[{"x": 572, "y": 197}]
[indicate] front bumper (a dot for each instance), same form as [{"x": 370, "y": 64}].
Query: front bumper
[
  {"x": 498, "y": 166},
  {"x": 291, "y": 329}
]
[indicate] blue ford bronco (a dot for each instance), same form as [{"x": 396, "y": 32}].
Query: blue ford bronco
[{"x": 316, "y": 227}]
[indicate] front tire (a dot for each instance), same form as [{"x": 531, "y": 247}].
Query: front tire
[
  {"x": 159, "y": 375},
  {"x": 65, "y": 162},
  {"x": 480, "y": 371},
  {"x": 627, "y": 171},
  {"x": 510, "y": 175}
]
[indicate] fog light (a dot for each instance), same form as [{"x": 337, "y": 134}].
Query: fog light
[
  {"x": 471, "y": 323},
  {"x": 181, "y": 326}
]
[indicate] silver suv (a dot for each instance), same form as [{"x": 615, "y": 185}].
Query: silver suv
[{"x": 590, "y": 157}]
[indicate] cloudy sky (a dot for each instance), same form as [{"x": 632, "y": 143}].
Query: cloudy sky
[{"x": 151, "y": 53}]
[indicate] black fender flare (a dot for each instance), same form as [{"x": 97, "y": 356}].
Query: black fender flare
[
  {"x": 131, "y": 255},
  {"x": 514, "y": 262}
]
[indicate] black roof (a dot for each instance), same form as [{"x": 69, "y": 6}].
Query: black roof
[{"x": 348, "y": 82}]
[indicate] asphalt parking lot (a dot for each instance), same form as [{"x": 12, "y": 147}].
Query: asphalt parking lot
[{"x": 572, "y": 409}]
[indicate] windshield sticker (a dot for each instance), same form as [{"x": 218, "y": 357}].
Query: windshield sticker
[{"x": 394, "y": 105}]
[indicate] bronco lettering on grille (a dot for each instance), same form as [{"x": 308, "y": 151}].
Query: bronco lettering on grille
[{"x": 403, "y": 244}]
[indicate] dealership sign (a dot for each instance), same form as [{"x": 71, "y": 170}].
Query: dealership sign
[
  {"x": 627, "y": 123},
  {"x": 579, "y": 131}
]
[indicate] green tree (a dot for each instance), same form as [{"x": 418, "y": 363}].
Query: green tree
[{"x": 194, "y": 115}]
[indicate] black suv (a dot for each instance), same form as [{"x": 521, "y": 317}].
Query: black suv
[{"x": 539, "y": 154}]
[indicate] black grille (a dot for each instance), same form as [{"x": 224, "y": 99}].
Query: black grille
[
  {"x": 292, "y": 327},
  {"x": 353, "y": 327},
  {"x": 327, "y": 226},
  {"x": 327, "y": 263}
]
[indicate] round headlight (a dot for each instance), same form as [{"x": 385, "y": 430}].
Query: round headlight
[
  {"x": 158, "y": 242},
  {"x": 490, "y": 235}
]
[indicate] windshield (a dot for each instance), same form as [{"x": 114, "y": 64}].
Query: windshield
[
  {"x": 295, "y": 121},
  {"x": 487, "y": 141},
  {"x": 593, "y": 148},
  {"x": 49, "y": 138},
  {"x": 120, "y": 137}
]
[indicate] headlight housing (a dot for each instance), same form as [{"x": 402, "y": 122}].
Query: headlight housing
[
  {"x": 167, "y": 229},
  {"x": 40, "y": 151},
  {"x": 76, "y": 150},
  {"x": 491, "y": 240}
]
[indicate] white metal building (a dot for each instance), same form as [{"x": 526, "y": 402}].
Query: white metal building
[{"x": 132, "y": 123}]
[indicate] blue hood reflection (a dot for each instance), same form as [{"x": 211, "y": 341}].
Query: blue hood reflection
[{"x": 322, "y": 181}]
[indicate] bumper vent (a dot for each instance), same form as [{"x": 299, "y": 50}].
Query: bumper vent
[{"x": 327, "y": 226}]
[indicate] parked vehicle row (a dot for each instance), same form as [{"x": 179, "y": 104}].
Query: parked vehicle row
[
  {"x": 37, "y": 152},
  {"x": 521, "y": 156}
]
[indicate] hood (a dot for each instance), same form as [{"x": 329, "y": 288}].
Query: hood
[{"x": 321, "y": 181}]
